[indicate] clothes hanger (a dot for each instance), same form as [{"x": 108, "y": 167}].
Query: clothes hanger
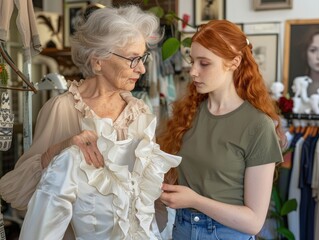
[
  {"x": 291, "y": 128},
  {"x": 307, "y": 132},
  {"x": 10, "y": 62}
]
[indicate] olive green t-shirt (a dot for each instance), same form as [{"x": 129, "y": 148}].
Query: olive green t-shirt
[{"x": 217, "y": 150}]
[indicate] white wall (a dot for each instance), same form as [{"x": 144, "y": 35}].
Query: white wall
[{"x": 241, "y": 11}]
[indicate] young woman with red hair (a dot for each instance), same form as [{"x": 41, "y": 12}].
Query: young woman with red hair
[{"x": 229, "y": 136}]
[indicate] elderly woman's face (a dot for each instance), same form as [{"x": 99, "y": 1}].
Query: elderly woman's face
[
  {"x": 313, "y": 54},
  {"x": 117, "y": 69}
]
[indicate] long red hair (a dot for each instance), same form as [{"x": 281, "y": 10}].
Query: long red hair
[{"x": 226, "y": 40}]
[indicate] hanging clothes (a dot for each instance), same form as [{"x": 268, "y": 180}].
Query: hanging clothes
[
  {"x": 26, "y": 25},
  {"x": 303, "y": 183},
  {"x": 294, "y": 191},
  {"x": 307, "y": 203},
  {"x": 315, "y": 189}
]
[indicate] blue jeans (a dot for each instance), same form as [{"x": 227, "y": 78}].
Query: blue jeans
[{"x": 194, "y": 225}]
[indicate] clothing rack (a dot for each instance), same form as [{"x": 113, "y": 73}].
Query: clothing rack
[
  {"x": 301, "y": 116},
  {"x": 300, "y": 177},
  {"x": 10, "y": 62},
  {"x": 27, "y": 88}
]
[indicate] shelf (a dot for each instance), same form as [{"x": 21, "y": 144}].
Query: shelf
[{"x": 64, "y": 60}]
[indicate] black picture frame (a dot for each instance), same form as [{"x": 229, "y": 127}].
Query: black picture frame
[{"x": 70, "y": 12}]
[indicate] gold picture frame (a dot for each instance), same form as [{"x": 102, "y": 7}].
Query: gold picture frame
[
  {"x": 260, "y": 5},
  {"x": 298, "y": 35}
]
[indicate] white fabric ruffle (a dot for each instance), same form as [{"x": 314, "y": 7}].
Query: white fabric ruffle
[{"x": 135, "y": 189}]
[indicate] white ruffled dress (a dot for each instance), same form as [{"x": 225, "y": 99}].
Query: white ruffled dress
[{"x": 113, "y": 202}]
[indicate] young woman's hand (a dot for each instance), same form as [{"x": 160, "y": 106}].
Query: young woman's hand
[{"x": 176, "y": 196}]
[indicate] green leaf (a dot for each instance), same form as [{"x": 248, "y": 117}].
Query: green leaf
[
  {"x": 170, "y": 47},
  {"x": 146, "y": 2},
  {"x": 286, "y": 233},
  {"x": 288, "y": 206},
  {"x": 276, "y": 198},
  {"x": 187, "y": 42},
  {"x": 3, "y": 75},
  {"x": 158, "y": 11},
  {"x": 170, "y": 17},
  {"x": 276, "y": 215}
]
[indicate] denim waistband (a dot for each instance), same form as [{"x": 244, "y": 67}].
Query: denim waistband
[
  {"x": 195, "y": 217},
  {"x": 199, "y": 220}
]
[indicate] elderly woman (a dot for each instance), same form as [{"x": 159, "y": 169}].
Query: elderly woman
[{"x": 109, "y": 47}]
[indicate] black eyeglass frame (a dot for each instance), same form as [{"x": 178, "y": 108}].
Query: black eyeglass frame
[{"x": 134, "y": 59}]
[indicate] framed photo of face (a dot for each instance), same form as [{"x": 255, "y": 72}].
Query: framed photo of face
[
  {"x": 265, "y": 52},
  {"x": 260, "y": 5},
  {"x": 301, "y": 53},
  {"x": 205, "y": 10},
  {"x": 70, "y": 11}
]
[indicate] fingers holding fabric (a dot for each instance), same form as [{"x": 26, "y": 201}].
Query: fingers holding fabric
[
  {"x": 87, "y": 142},
  {"x": 93, "y": 154}
]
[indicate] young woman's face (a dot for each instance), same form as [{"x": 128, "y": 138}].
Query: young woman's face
[
  {"x": 116, "y": 70},
  {"x": 208, "y": 70},
  {"x": 313, "y": 54}
]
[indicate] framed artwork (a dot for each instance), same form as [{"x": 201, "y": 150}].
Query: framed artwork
[
  {"x": 259, "y": 5},
  {"x": 70, "y": 11},
  {"x": 185, "y": 51},
  {"x": 262, "y": 28},
  {"x": 240, "y": 26},
  {"x": 300, "y": 53},
  {"x": 49, "y": 25},
  {"x": 265, "y": 51},
  {"x": 205, "y": 10}
]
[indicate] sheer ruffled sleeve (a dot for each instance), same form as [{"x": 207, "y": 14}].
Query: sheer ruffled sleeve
[{"x": 57, "y": 121}]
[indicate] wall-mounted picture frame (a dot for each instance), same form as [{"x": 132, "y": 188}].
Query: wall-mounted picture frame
[
  {"x": 260, "y": 5},
  {"x": 262, "y": 28},
  {"x": 205, "y": 10},
  {"x": 49, "y": 25},
  {"x": 300, "y": 53},
  {"x": 240, "y": 26},
  {"x": 70, "y": 11},
  {"x": 265, "y": 52}
]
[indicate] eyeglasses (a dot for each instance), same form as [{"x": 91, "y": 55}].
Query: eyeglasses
[{"x": 136, "y": 60}]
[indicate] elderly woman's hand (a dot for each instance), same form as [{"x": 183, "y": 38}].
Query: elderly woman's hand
[{"x": 87, "y": 142}]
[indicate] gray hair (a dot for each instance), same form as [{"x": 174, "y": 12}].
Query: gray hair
[{"x": 108, "y": 29}]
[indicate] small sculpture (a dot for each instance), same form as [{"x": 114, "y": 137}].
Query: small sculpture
[
  {"x": 276, "y": 90},
  {"x": 301, "y": 99}
]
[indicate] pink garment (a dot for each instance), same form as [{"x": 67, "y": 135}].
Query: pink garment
[{"x": 25, "y": 22}]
